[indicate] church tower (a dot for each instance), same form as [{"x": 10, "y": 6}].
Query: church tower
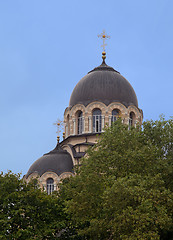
[{"x": 98, "y": 99}]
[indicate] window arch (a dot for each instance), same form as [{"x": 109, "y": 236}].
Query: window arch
[
  {"x": 132, "y": 121},
  {"x": 50, "y": 185},
  {"x": 97, "y": 120},
  {"x": 115, "y": 115},
  {"x": 80, "y": 122}
]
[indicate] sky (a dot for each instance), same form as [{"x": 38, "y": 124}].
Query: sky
[{"x": 46, "y": 47}]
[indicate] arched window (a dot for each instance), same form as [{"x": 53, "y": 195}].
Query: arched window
[
  {"x": 80, "y": 122},
  {"x": 115, "y": 114},
  {"x": 132, "y": 120},
  {"x": 97, "y": 120},
  {"x": 50, "y": 185}
]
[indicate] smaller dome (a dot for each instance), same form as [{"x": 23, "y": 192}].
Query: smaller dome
[{"x": 57, "y": 161}]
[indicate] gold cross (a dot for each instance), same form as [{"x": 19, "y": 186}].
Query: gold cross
[
  {"x": 104, "y": 37},
  {"x": 59, "y": 125}
]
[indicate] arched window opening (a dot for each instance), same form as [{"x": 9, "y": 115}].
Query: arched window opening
[
  {"x": 80, "y": 122},
  {"x": 50, "y": 185},
  {"x": 132, "y": 121},
  {"x": 115, "y": 115},
  {"x": 97, "y": 120}
]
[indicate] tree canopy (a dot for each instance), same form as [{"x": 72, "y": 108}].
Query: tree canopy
[
  {"x": 124, "y": 187},
  {"x": 123, "y": 190},
  {"x": 26, "y": 212}
]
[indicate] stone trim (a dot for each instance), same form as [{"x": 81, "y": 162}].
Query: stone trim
[
  {"x": 94, "y": 105},
  {"x": 106, "y": 112}
]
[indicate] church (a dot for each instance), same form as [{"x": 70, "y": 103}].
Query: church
[{"x": 98, "y": 99}]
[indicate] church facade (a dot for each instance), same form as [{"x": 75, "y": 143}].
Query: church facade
[{"x": 98, "y": 99}]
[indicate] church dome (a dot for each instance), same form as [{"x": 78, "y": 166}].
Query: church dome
[
  {"x": 57, "y": 161},
  {"x": 103, "y": 84}
]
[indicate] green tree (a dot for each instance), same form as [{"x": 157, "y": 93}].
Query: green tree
[
  {"x": 123, "y": 189},
  {"x": 26, "y": 212}
]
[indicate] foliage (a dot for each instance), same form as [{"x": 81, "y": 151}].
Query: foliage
[
  {"x": 124, "y": 188},
  {"x": 26, "y": 212}
]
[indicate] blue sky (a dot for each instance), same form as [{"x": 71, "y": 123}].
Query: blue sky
[{"x": 46, "y": 47}]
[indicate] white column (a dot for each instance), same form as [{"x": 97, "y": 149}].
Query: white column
[
  {"x": 90, "y": 123},
  {"x": 135, "y": 122},
  {"x": 129, "y": 123},
  {"x": 83, "y": 125},
  {"x": 110, "y": 120},
  {"x": 66, "y": 130},
  {"x": 69, "y": 126},
  {"x": 74, "y": 126},
  {"x": 103, "y": 123}
]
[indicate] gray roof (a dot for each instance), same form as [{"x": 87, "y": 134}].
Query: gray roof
[
  {"x": 57, "y": 160},
  {"x": 103, "y": 84}
]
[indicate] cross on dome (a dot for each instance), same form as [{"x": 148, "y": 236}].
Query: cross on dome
[
  {"x": 104, "y": 37},
  {"x": 59, "y": 125}
]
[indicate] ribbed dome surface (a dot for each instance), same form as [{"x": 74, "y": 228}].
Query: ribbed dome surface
[
  {"x": 57, "y": 160},
  {"x": 103, "y": 84}
]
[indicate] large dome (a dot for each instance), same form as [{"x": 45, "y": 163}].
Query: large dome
[
  {"x": 57, "y": 160},
  {"x": 103, "y": 84}
]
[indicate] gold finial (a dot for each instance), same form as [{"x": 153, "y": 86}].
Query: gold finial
[
  {"x": 103, "y": 55},
  {"x": 63, "y": 135},
  {"x": 104, "y": 37},
  {"x": 57, "y": 139}
]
